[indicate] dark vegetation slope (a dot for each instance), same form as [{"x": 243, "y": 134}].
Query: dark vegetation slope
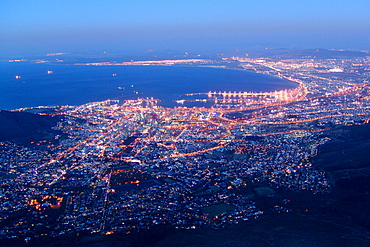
[
  {"x": 24, "y": 127},
  {"x": 346, "y": 158},
  {"x": 349, "y": 148}
]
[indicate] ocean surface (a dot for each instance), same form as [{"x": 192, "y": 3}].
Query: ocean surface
[{"x": 79, "y": 84}]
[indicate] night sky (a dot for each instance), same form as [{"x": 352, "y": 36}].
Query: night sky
[{"x": 44, "y": 26}]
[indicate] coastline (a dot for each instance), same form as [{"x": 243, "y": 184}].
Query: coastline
[{"x": 68, "y": 86}]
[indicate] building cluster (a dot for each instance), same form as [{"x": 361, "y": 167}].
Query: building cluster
[{"x": 134, "y": 165}]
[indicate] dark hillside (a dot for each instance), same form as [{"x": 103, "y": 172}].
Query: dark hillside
[
  {"x": 346, "y": 158},
  {"x": 24, "y": 127},
  {"x": 349, "y": 148}
]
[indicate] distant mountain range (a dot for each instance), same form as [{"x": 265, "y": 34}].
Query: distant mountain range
[{"x": 24, "y": 127}]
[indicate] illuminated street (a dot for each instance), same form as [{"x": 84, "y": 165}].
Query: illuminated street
[{"x": 133, "y": 164}]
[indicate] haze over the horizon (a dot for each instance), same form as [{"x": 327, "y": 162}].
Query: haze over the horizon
[{"x": 34, "y": 27}]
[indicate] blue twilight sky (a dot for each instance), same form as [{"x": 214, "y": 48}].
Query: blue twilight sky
[{"x": 42, "y": 26}]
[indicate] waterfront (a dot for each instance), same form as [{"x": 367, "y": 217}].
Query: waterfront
[
  {"x": 129, "y": 166},
  {"x": 79, "y": 84}
]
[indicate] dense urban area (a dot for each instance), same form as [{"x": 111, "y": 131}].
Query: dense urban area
[{"x": 126, "y": 166}]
